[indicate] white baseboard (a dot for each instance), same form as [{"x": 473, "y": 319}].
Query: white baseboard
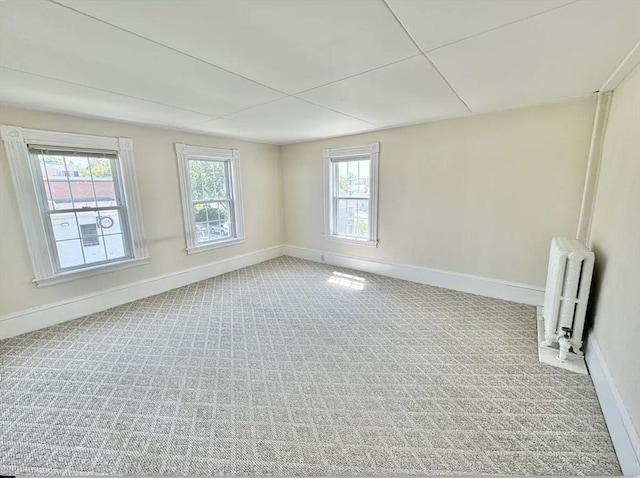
[
  {"x": 55, "y": 313},
  {"x": 523, "y": 293},
  {"x": 623, "y": 434}
]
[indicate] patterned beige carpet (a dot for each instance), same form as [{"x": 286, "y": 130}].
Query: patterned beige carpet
[{"x": 292, "y": 367}]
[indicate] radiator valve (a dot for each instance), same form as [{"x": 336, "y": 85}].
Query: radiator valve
[{"x": 565, "y": 344}]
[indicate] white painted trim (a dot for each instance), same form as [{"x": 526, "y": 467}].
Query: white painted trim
[
  {"x": 351, "y": 240},
  {"x": 26, "y": 196},
  {"x": 91, "y": 271},
  {"x": 499, "y": 289},
  {"x": 71, "y": 140},
  {"x": 30, "y": 198},
  {"x": 330, "y": 156},
  {"x": 185, "y": 152},
  {"x": 55, "y": 313},
  {"x": 594, "y": 161},
  {"x": 623, "y": 434},
  {"x": 216, "y": 245},
  {"x": 132, "y": 198}
]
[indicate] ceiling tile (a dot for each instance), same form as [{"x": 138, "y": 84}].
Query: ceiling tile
[
  {"x": 47, "y": 39},
  {"x": 30, "y": 91},
  {"x": 289, "y": 45},
  {"x": 565, "y": 53},
  {"x": 285, "y": 121},
  {"x": 405, "y": 92},
  {"x": 435, "y": 23}
]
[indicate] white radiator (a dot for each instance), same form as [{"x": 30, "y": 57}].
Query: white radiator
[{"x": 566, "y": 296}]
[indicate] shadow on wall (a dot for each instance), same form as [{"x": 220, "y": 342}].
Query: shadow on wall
[{"x": 599, "y": 269}]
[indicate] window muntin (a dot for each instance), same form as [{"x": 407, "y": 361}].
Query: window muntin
[
  {"x": 351, "y": 194},
  {"x": 352, "y": 182},
  {"x": 52, "y": 215},
  {"x": 80, "y": 197},
  {"x": 211, "y": 196},
  {"x": 211, "y": 199}
]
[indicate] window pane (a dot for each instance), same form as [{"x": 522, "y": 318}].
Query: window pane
[
  {"x": 362, "y": 184},
  {"x": 362, "y": 218},
  {"x": 100, "y": 171},
  {"x": 343, "y": 182},
  {"x": 212, "y": 221},
  {"x": 345, "y": 217},
  {"x": 100, "y": 168},
  {"x": 90, "y": 235},
  {"x": 70, "y": 253},
  {"x": 109, "y": 221},
  {"x": 64, "y": 225},
  {"x": 56, "y": 184},
  {"x": 352, "y": 217},
  {"x": 114, "y": 245},
  {"x": 208, "y": 180},
  {"x": 353, "y": 178},
  {"x": 100, "y": 235},
  {"x": 220, "y": 226},
  {"x": 74, "y": 181}
]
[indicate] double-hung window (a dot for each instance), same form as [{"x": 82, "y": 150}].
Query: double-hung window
[
  {"x": 78, "y": 202},
  {"x": 211, "y": 197},
  {"x": 351, "y": 194}
]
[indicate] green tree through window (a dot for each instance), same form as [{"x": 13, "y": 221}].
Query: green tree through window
[{"x": 208, "y": 180}]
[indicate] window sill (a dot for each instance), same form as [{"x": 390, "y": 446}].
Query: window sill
[
  {"x": 351, "y": 240},
  {"x": 215, "y": 245},
  {"x": 89, "y": 272}
]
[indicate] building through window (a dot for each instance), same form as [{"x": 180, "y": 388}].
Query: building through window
[
  {"x": 351, "y": 178},
  {"x": 78, "y": 201}
]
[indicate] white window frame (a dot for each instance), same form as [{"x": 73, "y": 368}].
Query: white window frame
[
  {"x": 185, "y": 152},
  {"x": 32, "y": 212},
  {"x": 331, "y": 156}
]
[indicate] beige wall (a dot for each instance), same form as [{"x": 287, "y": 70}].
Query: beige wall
[
  {"x": 615, "y": 238},
  {"x": 482, "y": 195},
  {"x": 157, "y": 172}
]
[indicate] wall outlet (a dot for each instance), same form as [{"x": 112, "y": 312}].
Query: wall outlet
[{"x": 321, "y": 258}]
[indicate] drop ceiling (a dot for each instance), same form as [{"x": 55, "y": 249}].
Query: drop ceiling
[{"x": 283, "y": 71}]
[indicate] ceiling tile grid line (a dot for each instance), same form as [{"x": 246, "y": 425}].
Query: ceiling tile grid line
[
  {"x": 336, "y": 111},
  {"x": 261, "y": 38},
  {"x": 428, "y": 59},
  {"x": 230, "y": 116},
  {"x": 284, "y": 72},
  {"x": 437, "y": 23},
  {"x": 568, "y": 52},
  {"x": 224, "y": 69},
  {"x": 125, "y": 95},
  {"x": 35, "y": 92},
  {"x": 79, "y": 12},
  {"x": 41, "y": 37},
  {"x": 502, "y": 26},
  {"x": 356, "y": 74}
]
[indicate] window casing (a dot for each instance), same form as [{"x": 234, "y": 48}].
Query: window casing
[
  {"x": 211, "y": 196},
  {"x": 78, "y": 202},
  {"x": 351, "y": 194}
]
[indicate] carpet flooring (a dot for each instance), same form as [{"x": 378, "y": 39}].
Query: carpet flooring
[{"x": 293, "y": 367}]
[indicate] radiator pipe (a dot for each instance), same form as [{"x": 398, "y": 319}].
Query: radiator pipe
[{"x": 593, "y": 167}]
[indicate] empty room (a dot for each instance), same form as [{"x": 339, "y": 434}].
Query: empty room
[{"x": 319, "y": 237}]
